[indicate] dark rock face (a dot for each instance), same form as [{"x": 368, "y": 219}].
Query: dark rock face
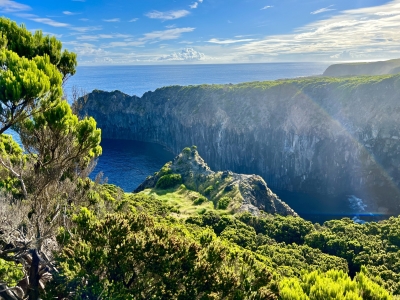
[
  {"x": 369, "y": 68},
  {"x": 252, "y": 191},
  {"x": 324, "y": 136}
]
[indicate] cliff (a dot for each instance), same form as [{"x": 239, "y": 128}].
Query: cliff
[
  {"x": 241, "y": 192},
  {"x": 367, "y": 68},
  {"x": 325, "y": 136}
]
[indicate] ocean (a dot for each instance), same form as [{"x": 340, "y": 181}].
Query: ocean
[
  {"x": 136, "y": 80},
  {"x": 128, "y": 163}
]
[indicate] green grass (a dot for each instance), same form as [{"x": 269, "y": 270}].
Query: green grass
[
  {"x": 184, "y": 201},
  {"x": 351, "y": 81}
]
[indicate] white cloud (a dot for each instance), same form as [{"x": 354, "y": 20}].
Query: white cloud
[
  {"x": 322, "y": 10},
  {"x": 168, "y": 15},
  {"x": 9, "y": 6},
  {"x": 102, "y": 36},
  {"x": 359, "y": 31},
  {"x": 244, "y": 35},
  {"x": 151, "y": 37},
  {"x": 188, "y": 54},
  {"x": 70, "y": 13},
  {"x": 46, "y": 21},
  {"x": 169, "y": 34},
  {"x": 347, "y": 55},
  {"x": 133, "y": 20},
  {"x": 112, "y": 20},
  {"x": 194, "y": 5},
  {"x": 124, "y": 44},
  {"x": 86, "y": 49},
  {"x": 230, "y": 41},
  {"x": 86, "y": 28},
  {"x": 50, "y": 22},
  {"x": 266, "y": 7}
]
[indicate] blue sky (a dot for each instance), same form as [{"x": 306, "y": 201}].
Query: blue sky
[{"x": 215, "y": 31}]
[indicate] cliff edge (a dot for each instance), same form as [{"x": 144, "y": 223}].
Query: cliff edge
[{"x": 367, "y": 68}]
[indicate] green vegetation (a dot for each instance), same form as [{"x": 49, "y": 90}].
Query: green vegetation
[
  {"x": 80, "y": 239},
  {"x": 41, "y": 182},
  {"x": 290, "y": 270},
  {"x": 182, "y": 201},
  {"x": 131, "y": 255},
  {"x": 223, "y": 203},
  {"x": 252, "y": 87},
  {"x": 10, "y": 273},
  {"x": 169, "y": 181},
  {"x": 331, "y": 285}
]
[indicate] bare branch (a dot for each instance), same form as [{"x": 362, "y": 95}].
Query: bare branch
[{"x": 19, "y": 176}]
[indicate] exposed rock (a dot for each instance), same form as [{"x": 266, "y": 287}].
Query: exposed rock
[
  {"x": 324, "y": 136},
  {"x": 249, "y": 191}
]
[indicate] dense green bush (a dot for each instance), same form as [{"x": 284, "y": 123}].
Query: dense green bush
[
  {"x": 372, "y": 245},
  {"x": 283, "y": 229},
  {"x": 165, "y": 170},
  {"x": 169, "y": 181},
  {"x": 332, "y": 285},
  {"x": 200, "y": 200},
  {"x": 132, "y": 256},
  {"x": 10, "y": 272},
  {"x": 223, "y": 203},
  {"x": 208, "y": 190}
]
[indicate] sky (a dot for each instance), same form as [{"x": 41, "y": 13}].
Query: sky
[{"x": 129, "y": 32}]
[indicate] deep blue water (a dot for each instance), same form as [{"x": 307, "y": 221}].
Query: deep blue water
[{"x": 128, "y": 163}]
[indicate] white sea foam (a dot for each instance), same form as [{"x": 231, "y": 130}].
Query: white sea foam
[
  {"x": 357, "y": 204},
  {"x": 356, "y": 219}
]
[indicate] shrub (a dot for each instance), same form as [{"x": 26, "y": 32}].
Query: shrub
[
  {"x": 186, "y": 150},
  {"x": 169, "y": 181},
  {"x": 331, "y": 285},
  {"x": 223, "y": 203},
  {"x": 200, "y": 200},
  {"x": 10, "y": 273},
  {"x": 165, "y": 170},
  {"x": 208, "y": 190},
  {"x": 159, "y": 262}
]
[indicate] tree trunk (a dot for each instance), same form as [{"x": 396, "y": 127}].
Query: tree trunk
[
  {"x": 34, "y": 276},
  {"x": 6, "y": 294}
]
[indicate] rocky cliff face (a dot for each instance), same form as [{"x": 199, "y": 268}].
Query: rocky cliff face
[
  {"x": 325, "y": 136},
  {"x": 247, "y": 193},
  {"x": 370, "y": 68}
]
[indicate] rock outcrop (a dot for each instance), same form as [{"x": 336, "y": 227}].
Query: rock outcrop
[
  {"x": 324, "y": 136},
  {"x": 367, "y": 68},
  {"x": 248, "y": 192}
]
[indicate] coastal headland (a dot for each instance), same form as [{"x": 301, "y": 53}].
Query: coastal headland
[{"x": 319, "y": 135}]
